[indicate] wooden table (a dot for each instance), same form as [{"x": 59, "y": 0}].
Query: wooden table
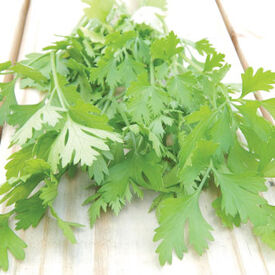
[{"x": 123, "y": 245}]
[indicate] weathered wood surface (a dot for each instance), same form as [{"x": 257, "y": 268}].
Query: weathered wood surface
[{"x": 123, "y": 245}]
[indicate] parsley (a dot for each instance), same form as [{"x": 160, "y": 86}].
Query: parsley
[{"x": 137, "y": 110}]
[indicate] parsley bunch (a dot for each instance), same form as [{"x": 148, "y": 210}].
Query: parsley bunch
[{"x": 137, "y": 109}]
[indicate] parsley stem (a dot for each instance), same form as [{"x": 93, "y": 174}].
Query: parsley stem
[
  {"x": 152, "y": 76},
  {"x": 192, "y": 63},
  {"x": 204, "y": 178},
  {"x": 82, "y": 23},
  {"x": 62, "y": 100},
  {"x": 126, "y": 121}
]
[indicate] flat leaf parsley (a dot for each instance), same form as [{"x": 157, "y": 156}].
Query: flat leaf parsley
[{"x": 137, "y": 109}]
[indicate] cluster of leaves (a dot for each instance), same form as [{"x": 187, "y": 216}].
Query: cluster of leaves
[{"x": 137, "y": 110}]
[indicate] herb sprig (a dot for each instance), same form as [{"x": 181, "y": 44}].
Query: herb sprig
[{"x": 137, "y": 109}]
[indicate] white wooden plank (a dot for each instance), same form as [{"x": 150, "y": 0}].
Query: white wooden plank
[{"x": 9, "y": 15}]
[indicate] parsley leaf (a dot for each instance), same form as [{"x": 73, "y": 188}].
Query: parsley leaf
[
  {"x": 138, "y": 110},
  {"x": 98, "y": 9},
  {"x": 9, "y": 242},
  {"x": 29, "y": 212},
  {"x": 240, "y": 195},
  {"x": 145, "y": 100},
  {"x": 166, "y": 47},
  {"x": 262, "y": 80},
  {"x": 78, "y": 143},
  {"x": 7, "y": 93},
  {"x": 173, "y": 215}
]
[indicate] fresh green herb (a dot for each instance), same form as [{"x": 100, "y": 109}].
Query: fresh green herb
[{"x": 137, "y": 109}]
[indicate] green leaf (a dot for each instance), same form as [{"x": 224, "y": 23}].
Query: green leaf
[
  {"x": 145, "y": 100},
  {"x": 162, "y": 4},
  {"x": 204, "y": 46},
  {"x": 35, "y": 166},
  {"x": 129, "y": 69},
  {"x": 240, "y": 195},
  {"x": 118, "y": 40},
  {"x": 47, "y": 114},
  {"x": 29, "y": 212},
  {"x": 106, "y": 70},
  {"x": 78, "y": 144},
  {"x": 174, "y": 214},
  {"x": 262, "y": 80},
  {"x": 98, "y": 9},
  {"x": 7, "y": 93},
  {"x": 49, "y": 192},
  {"x": 9, "y": 242},
  {"x": 223, "y": 133},
  {"x": 88, "y": 115},
  {"x": 66, "y": 227},
  {"x": 258, "y": 132},
  {"x": 29, "y": 72},
  {"x": 227, "y": 220},
  {"x": 95, "y": 209},
  {"x": 180, "y": 87},
  {"x": 213, "y": 60},
  {"x": 199, "y": 160},
  {"x": 98, "y": 170},
  {"x": 218, "y": 75},
  {"x": 269, "y": 104},
  {"x": 165, "y": 48},
  {"x": 42, "y": 147},
  {"x": 22, "y": 189},
  {"x": 94, "y": 36},
  {"x": 17, "y": 161},
  {"x": 4, "y": 66},
  {"x": 20, "y": 114},
  {"x": 240, "y": 160},
  {"x": 269, "y": 170},
  {"x": 188, "y": 143},
  {"x": 138, "y": 110},
  {"x": 157, "y": 200},
  {"x": 40, "y": 62},
  {"x": 157, "y": 126},
  {"x": 266, "y": 230},
  {"x": 171, "y": 178},
  {"x": 135, "y": 171}
]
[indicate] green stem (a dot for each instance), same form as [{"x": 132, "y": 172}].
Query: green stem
[
  {"x": 204, "y": 178},
  {"x": 192, "y": 63},
  {"x": 82, "y": 23},
  {"x": 108, "y": 101},
  {"x": 62, "y": 99},
  {"x": 152, "y": 76},
  {"x": 126, "y": 121},
  {"x": 140, "y": 142}
]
